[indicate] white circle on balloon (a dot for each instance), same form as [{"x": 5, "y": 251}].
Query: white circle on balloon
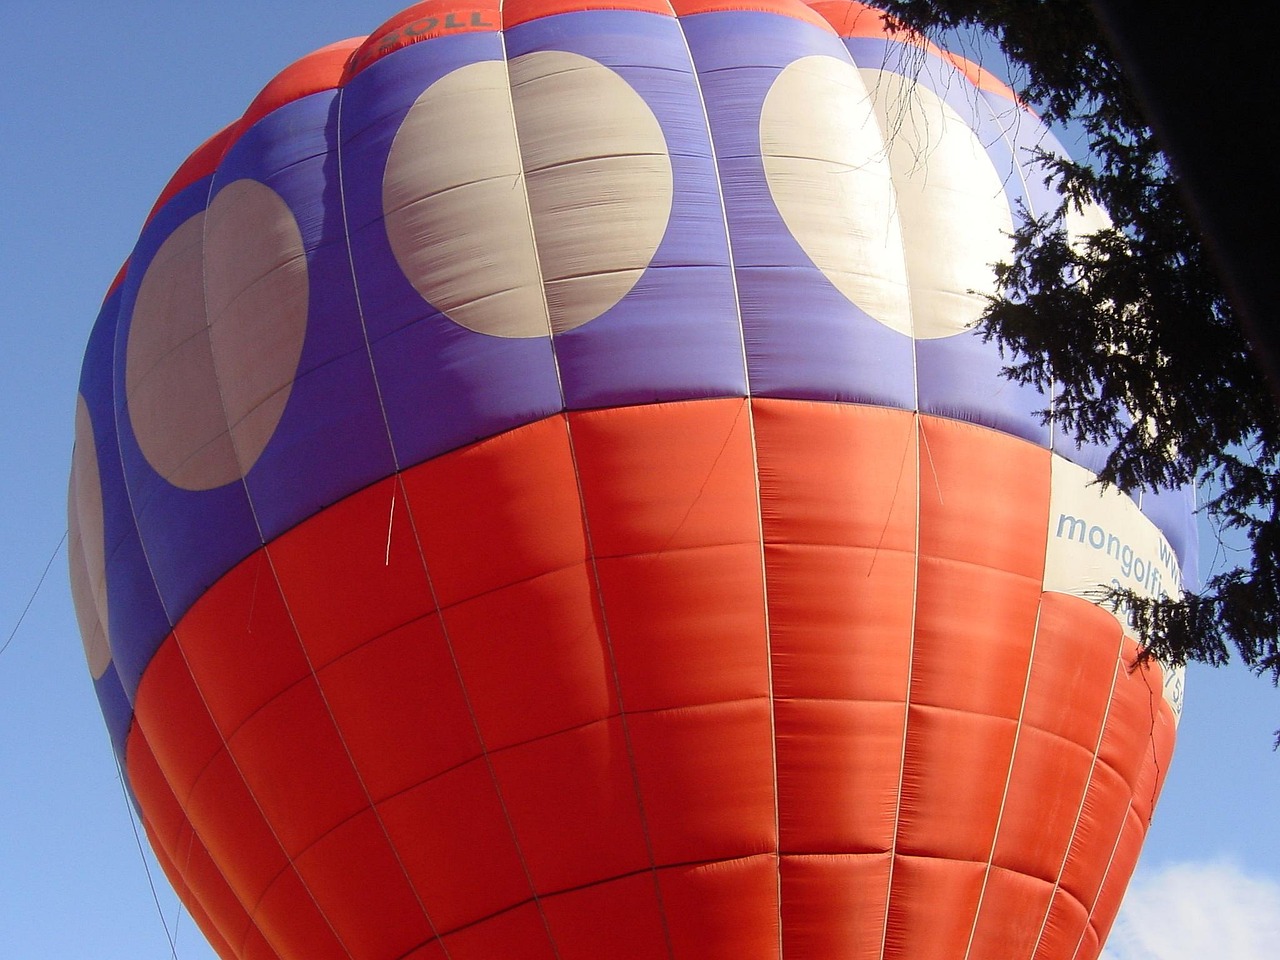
[
  {"x": 86, "y": 545},
  {"x": 888, "y": 191},
  {"x": 527, "y": 198},
  {"x": 216, "y": 338}
]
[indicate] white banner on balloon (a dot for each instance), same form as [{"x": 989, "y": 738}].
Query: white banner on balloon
[{"x": 1099, "y": 539}]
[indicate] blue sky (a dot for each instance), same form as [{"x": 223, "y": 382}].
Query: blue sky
[{"x": 103, "y": 101}]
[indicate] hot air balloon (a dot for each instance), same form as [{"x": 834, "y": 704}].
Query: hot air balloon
[{"x": 538, "y": 493}]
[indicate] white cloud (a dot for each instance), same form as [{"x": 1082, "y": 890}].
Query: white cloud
[{"x": 1197, "y": 911}]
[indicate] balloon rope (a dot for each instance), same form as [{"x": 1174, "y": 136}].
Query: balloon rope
[
  {"x": 31, "y": 599},
  {"x": 142, "y": 855},
  {"x": 387, "y": 560}
]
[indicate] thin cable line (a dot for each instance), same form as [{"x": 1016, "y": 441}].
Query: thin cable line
[
  {"x": 1084, "y": 795},
  {"x": 1008, "y": 777},
  {"x": 31, "y": 599},
  {"x": 749, "y": 404},
  {"x": 1093, "y": 906},
  {"x": 142, "y": 855}
]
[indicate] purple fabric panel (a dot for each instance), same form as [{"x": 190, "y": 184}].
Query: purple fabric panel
[
  {"x": 1174, "y": 512},
  {"x": 803, "y": 338},
  {"x": 676, "y": 333},
  {"x": 332, "y": 439},
  {"x": 441, "y": 385},
  {"x": 959, "y": 376},
  {"x": 118, "y": 714},
  {"x": 136, "y": 619},
  {"x": 190, "y": 538}
]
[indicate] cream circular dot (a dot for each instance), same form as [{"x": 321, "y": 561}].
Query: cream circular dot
[
  {"x": 888, "y": 191},
  {"x": 216, "y": 336},
  {"x": 1082, "y": 223},
  {"x": 530, "y": 197},
  {"x": 86, "y": 547}
]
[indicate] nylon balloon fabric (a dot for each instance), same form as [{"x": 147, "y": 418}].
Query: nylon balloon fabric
[{"x": 539, "y": 494}]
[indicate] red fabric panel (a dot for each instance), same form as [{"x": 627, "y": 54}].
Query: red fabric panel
[
  {"x": 521, "y": 11},
  {"x": 974, "y": 630},
  {"x": 841, "y": 474},
  {"x": 707, "y": 780},
  {"x": 318, "y": 71},
  {"x": 186, "y": 862},
  {"x": 215, "y": 909},
  {"x": 1089, "y": 947},
  {"x": 201, "y": 163},
  {"x": 1156, "y": 762},
  {"x": 295, "y": 733},
  {"x": 519, "y": 934},
  {"x": 230, "y": 824},
  {"x": 561, "y": 789},
  {"x": 428, "y": 951},
  {"x": 400, "y": 708},
  {"x": 983, "y": 497},
  {"x": 341, "y": 587},
  {"x": 1106, "y": 804},
  {"x": 457, "y": 819},
  {"x": 498, "y": 512},
  {"x": 1007, "y": 923},
  {"x": 723, "y": 911},
  {"x": 291, "y": 923},
  {"x": 1046, "y": 789},
  {"x": 170, "y": 713},
  {"x": 1061, "y": 933},
  {"x": 1077, "y": 648},
  {"x": 840, "y": 621},
  {"x": 166, "y": 822},
  {"x": 953, "y": 780},
  {"x": 534, "y": 657},
  {"x": 855, "y": 19},
  {"x": 687, "y": 627},
  {"x": 786, "y": 8},
  {"x": 931, "y": 907},
  {"x": 422, "y": 21},
  {"x": 837, "y": 495},
  {"x": 240, "y": 645},
  {"x": 1128, "y": 740},
  {"x": 838, "y": 767},
  {"x": 703, "y": 492},
  {"x": 490, "y": 734},
  {"x": 255, "y": 946},
  {"x": 834, "y": 906},
  {"x": 362, "y": 890},
  {"x": 618, "y": 920},
  {"x": 1123, "y": 862}
]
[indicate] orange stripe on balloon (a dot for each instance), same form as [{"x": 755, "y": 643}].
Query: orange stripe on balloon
[{"x": 787, "y": 8}]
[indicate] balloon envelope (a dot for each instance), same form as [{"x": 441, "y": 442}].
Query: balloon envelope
[{"x": 538, "y": 492}]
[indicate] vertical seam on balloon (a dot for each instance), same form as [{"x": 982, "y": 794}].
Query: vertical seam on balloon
[
  {"x": 749, "y": 403},
  {"x": 587, "y": 537},
  {"x": 1084, "y": 795},
  {"x": 918, "y": 421},
  {"x": 173, "y": 628},
  {"x": 279, "y": 585},
  {"x": 1119, "y": 834},
  {"x": 177, "y": 641},
  {"x": 257, "y": 526},
  {"x": 371, "y": 805},
  {"x": 594, "y": 565},
  {"x": 1008, "y": 777},
  {"x": 1088, "y": 920},
  {"x": 983, "y": 100},
  {"x": 915, "y": 574},
  {"x": 193, "y": 838}
]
